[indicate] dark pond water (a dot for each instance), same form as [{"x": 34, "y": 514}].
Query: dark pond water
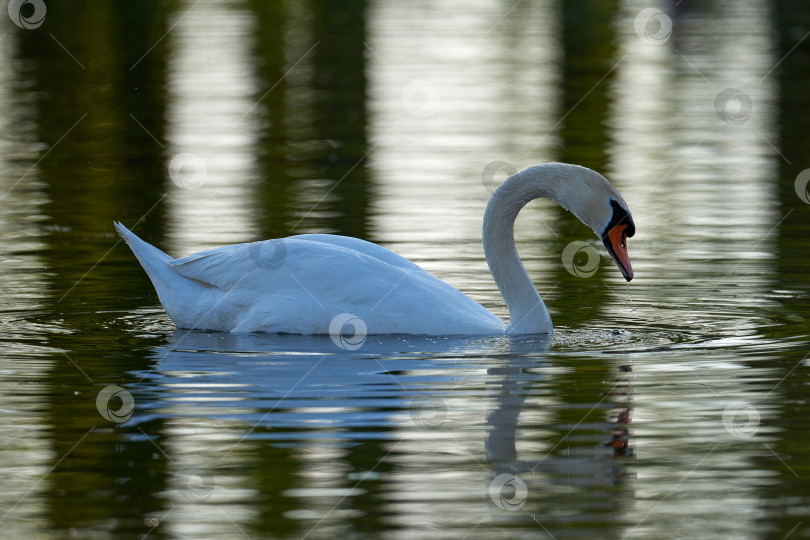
[{"x": 673, "y": 408}]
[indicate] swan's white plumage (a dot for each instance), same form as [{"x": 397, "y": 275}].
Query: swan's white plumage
[
  {"x": 318, "y": 278},
  {"x": 302, "y": 283}
]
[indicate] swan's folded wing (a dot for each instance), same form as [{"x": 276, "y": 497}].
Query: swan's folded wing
[
  {"x": 362, "y": 246},
  {"x": 258, "y": 266},
  {"x": 221, "y": 267},
  {"x": 300, "y": 284}
]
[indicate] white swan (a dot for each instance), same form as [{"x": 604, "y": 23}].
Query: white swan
[{"x": 303, "y": 284}]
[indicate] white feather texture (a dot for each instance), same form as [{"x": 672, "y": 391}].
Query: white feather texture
[
  {"x": 318, "y": 278},
  {"x": 300, "y": 284}
]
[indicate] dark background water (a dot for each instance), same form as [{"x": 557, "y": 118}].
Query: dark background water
[{"x": 679, "y": 411}]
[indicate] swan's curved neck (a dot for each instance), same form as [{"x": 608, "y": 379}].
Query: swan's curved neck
[
  {"x": 583, "y": 192},
  {"x": 527, "y": 312}
]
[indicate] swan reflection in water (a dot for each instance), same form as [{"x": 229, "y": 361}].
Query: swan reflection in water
[
  {"x": 292, "y": 390},
  {"x": 536, "y": 486}
]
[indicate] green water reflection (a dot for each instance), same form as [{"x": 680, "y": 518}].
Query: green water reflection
[{"x": 376, "y": 120}]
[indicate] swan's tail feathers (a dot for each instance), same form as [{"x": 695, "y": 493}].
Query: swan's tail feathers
[
  {"x": 154, "y": 261},
  {"x": 147, "y": 254}
]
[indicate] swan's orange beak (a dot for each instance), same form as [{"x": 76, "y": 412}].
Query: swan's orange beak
[{"x": 615, "y": 240}]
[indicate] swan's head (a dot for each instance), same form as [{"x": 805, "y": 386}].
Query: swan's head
[
  {"x": 590, "y": 197},
  {"x": 600, "y": 206}
]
